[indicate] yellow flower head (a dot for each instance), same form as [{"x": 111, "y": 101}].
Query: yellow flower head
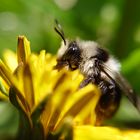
[{"x": 45, "y": 96}]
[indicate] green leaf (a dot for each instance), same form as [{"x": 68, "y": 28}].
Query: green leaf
[
  {"x": 3, "y": 90},
  {"x": 25, "y": 124}
]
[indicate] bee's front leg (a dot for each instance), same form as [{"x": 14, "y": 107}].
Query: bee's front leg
[
  {"x": 95, "y": 77},
  {"x": 86, "y": 81}
]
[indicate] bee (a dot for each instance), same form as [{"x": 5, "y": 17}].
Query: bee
[{"x": 99, "y": 68}]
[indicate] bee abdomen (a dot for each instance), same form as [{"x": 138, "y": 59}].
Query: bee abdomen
[{"x": 108, "y": 103}]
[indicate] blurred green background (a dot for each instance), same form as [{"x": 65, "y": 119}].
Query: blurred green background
[{"x": 115, "y": 24}]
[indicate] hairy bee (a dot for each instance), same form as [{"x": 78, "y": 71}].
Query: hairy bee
[{"x": 99, "y": 68}]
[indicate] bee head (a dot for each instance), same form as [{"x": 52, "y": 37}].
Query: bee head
[
  {"x": 69, "y": 52},
  {"x": 68, "y": 55}
]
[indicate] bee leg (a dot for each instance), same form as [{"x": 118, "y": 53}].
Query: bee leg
[
  {"x": 108, "y": 102},
  {"x": 86, "y": 81},
  {"x": 95, "y": 78}
]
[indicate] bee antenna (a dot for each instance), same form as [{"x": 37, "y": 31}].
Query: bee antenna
[{"x": 59, "y": 30}]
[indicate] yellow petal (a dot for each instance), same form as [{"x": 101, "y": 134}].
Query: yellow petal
[
  {"x": 11, "y": 81},
  {"x": 10, "y": 59},
  {"x": 88, "y": 132},
  {"x": 60, "y": 84},
  {"x": 5, "y": 73},
  {"x": 131, "y": 134},
  {"x": 23, "y": 49},
  {"x": 52, "y": 110},
  {"x": 28, "y": 86},
  {"x": 85, "y": 98}
]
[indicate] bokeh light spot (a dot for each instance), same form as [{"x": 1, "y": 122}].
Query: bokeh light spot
[
  {"x": 8, "y": 21},
  {"x": 65, "y": 4},
  {"x": 109, "y": 13}
]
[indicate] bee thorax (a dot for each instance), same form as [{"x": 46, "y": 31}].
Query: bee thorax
[{"x": 87, "y": 67}]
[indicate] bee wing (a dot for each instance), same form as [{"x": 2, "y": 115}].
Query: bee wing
[{"x": 124, "y": 86}]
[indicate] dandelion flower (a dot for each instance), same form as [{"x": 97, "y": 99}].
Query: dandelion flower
[{"x": 45, "y": 98}]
